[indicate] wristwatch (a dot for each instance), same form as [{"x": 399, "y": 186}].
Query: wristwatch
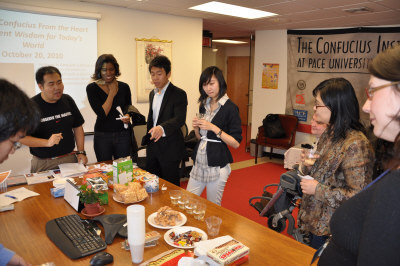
[
  {"x": 81, "y": 152},
  {"x": 219, "y": 134}
]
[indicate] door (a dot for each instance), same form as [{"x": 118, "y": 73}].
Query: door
[{"x": 238, "y": 83}]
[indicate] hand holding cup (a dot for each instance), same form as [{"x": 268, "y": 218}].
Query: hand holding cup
[{"x": 309, "y": 156}]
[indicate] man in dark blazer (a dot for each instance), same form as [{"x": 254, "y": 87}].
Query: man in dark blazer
[{"x": 167, "y": 114}]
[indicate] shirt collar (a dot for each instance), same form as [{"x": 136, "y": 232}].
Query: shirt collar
[
  {"x": 221, "y": 101},
  {"x": 163, "y": 89}
]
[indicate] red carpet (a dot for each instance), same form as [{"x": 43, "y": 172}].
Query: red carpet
[
  {"x": 249, "y": 182},
  {"x": 246, "y": 183}
]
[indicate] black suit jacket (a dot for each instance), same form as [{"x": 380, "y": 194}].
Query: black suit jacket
[{"x": 172, "y": 117}]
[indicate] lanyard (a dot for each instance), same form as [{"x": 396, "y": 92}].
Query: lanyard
[{"x": 379, "y": 177}]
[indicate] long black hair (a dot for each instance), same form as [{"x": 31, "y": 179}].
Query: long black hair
[
  {"x": 205, "y": 78},
  {"x": 339, "y": 96}
]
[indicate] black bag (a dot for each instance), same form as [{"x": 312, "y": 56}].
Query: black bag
[{"x": 273, "y": 127}]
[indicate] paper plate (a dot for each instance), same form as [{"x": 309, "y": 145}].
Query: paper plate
[
  {"x": 180, "y": 230},
  {"x": 120, "y": 201},
  {"x": 151, "y": 221}
]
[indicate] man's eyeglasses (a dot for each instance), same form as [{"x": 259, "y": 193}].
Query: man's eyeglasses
[
  {"x": 370, "y": 91},
  {"x": 17, "y": 145}
]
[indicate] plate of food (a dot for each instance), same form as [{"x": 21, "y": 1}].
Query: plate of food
[
  {"x": 166, "y": 218},
  {"x": 129, "y": 193},
  {"x": 184, "y": 236}
]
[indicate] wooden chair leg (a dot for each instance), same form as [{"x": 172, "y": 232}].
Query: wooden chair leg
[
  {"x": 270, "y": 154},
  {"x": 255, "y": 160}
]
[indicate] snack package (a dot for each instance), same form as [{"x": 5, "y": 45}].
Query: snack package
[
  {"x": 168, "y": 258},
  {"x": 228, "y": 252},
  {"x": 122, "y": 170}
]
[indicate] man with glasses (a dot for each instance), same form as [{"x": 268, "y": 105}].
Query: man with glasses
[
  {"x": 18, "y": 116},
  {"x": 60, "y": 127}
]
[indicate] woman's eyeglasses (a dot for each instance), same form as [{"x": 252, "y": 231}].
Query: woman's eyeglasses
[
  {"x": 317, "y": 105},
  {"x": 370, "y": 91}
]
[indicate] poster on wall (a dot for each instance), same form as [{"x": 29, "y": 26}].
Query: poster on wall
[
  {"x": 147, "y": 50},
  {"x": 314, "y": 56},
  {"x": 270, "y": 76}
]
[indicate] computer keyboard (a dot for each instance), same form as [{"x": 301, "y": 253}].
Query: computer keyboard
[{"x": 74, "y": 236}]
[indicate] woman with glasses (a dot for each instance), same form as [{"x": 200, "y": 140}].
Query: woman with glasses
[
  {"x": 365, "y": 229},
  {"x": 345, "y": 161}
]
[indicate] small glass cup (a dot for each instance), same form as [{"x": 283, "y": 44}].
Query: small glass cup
[
  {"x": 200, "y": 115},
  {"x": 200, "y": 211},
  {"x": 213, "y": 225},
  {"x": 310, "y": 156},
  {"x": 175, "y": 195},
  {"x": 183, "y": 201},
  {"x": 191, "y": 205}
]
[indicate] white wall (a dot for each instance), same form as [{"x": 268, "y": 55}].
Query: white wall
[
  {"x": 270, "y": 47},
  {"x": 117, "y": 31}
]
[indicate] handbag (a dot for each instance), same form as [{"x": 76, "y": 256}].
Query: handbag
[{"x": 273, "y": 127}]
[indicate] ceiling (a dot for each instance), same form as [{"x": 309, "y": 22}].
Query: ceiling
[{"x": 292, "y": 14}]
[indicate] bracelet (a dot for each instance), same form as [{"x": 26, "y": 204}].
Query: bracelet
[
  {"x": 219, "y": 134},
  {"x": 81, "y": 152}
]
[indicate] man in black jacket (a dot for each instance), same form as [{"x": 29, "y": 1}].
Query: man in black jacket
[{"x": 167, "y": 114}]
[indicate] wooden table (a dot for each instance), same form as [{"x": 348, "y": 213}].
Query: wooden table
[{"x": 23, "y": 230}]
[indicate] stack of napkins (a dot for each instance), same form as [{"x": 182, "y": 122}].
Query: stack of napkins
[{"x": 72, "y": 169}]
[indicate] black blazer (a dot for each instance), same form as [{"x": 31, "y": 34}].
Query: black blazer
[
  {"x": 227, "y": 119},
  {"x": 172, "y": 117}
]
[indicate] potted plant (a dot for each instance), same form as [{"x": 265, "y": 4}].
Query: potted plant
[{"x": 90, "y": 198}]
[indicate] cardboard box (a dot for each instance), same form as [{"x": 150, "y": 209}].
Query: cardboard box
[
  {"x": 228, "y": 252},
  {"x": 122, "y": 170}
]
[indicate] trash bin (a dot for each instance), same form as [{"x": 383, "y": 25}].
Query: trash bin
[{"x": 253, "y": 149}]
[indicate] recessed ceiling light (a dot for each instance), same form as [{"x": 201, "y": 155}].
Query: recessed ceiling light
[
  {"x": 228, "y": 41},
  {"x": 232, "y": 10}
]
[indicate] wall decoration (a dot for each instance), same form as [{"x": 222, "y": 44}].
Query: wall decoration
[
  {"x": 270, "y": 76},
  {"x": 147, "y": 50},
  {"x": 316, "y": 55}
]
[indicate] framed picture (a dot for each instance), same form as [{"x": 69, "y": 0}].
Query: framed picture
[{"x": 146, "y": 50}]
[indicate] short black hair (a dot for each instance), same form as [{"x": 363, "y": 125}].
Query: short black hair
[
  {"x": 105, "y": 58},
  {"x": 161, "y": 61},
  {"x": 44, "y": 71},
  {"x": 205, "y": 78},
  {"x": 339, "y": 96},
  {"x": 17, "y": 111}
]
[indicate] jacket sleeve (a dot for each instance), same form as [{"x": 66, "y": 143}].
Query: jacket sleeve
[
  {"x": 178, "y": 119},
  {"x": 356, "y": 168},
  {"x": 234, "y": 123}
]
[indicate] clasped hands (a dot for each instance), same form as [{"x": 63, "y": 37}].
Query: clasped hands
[{"x": 203, "y": 124}]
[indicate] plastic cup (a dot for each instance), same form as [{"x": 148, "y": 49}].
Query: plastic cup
[
  {"x": 200, "y": 115},
  {"x": 174, "y": 195},
  {"x": 190, "y": 205},
  {"x": 310, "y": 156},
  {"x": 183, "y": 201},
  {"x": 213, "y": 225},
  {"x": 200, "y": 211}
]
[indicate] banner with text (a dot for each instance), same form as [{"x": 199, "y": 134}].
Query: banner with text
[{"x": 314, "y": 56}]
